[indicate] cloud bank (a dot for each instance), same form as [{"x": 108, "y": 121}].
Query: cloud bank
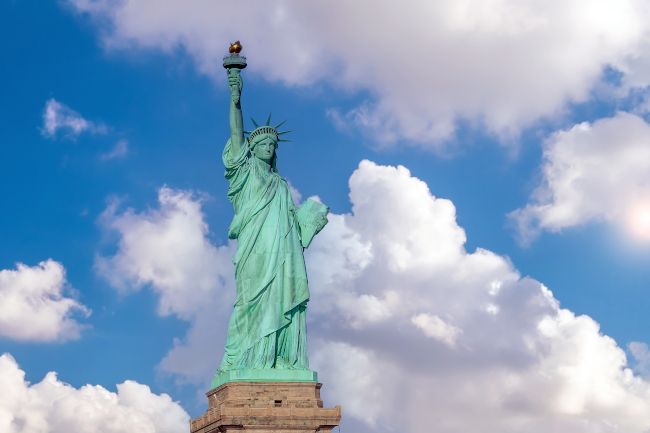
[
  {"x": 33, "y": 304},
  {"x": 501, "y": 65},
  {"x": 466, "y": 344},
  {"x": 408, "y": 329},
  {"x": 52, "y": 406}
]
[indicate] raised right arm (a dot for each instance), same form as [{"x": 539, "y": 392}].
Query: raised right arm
[{"x": 235, "y": 84}]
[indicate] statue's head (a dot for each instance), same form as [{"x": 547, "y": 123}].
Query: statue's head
[
  {"x": 263, "y": 146},
  {"x": 263, "y": 141}
]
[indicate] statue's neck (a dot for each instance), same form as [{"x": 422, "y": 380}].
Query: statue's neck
[{"x": 266, "y": 166}]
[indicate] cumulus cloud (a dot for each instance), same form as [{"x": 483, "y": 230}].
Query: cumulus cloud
[
  {"x": 408, "y": 329},
  {"x": 168, "y": 249},
  {"x": 34, "y": 305},
  {"x": 471, "y": 346},
  {"x": 592, "y": 172},
  {"x": 59, "y": 118},
  {"x": 52, "y": 406},
  {"x": 501, "y": 64}
]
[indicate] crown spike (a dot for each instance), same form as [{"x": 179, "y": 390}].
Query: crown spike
[
  {"x": 280, "y": 124},
  {"x": 268, "y": 120},
  {"x": 255, "y": 123},
  {"x": 284, "y": 132}
]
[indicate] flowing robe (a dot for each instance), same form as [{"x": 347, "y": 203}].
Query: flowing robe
[{"x": 267, "y": 326}]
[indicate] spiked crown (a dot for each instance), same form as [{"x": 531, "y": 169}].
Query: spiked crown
[{"x": 266, "y": 129}]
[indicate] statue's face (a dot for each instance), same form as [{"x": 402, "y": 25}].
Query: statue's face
[{"x": 264, "y": 148}]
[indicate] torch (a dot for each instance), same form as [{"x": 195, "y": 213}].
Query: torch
[{"x": 234, "y": 63}]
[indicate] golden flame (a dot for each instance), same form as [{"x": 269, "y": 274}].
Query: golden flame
[{"x": 235, "y": 47}]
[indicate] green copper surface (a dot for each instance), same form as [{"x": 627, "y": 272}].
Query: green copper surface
[
  {"x": 270, "y": 375},
  {"x": 267, "y": 339}
]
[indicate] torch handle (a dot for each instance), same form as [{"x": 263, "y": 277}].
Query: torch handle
[{"x": 234, "y": 88}]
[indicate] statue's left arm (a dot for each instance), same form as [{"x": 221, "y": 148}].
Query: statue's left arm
[{"x": 311, "y": 217}]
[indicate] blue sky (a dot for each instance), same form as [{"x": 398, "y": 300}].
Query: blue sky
[{"x": 152, "y": 92}]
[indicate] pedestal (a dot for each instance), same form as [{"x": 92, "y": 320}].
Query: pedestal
[{"x": 266, "y": 407}]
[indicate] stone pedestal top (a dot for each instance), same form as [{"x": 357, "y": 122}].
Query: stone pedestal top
[{"x": 266, "y": 407}]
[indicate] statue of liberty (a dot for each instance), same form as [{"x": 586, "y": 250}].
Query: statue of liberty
[{"x": 267, "y": 338}]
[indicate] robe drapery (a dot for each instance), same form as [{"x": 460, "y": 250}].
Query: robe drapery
[{"x": 267, "y": 326}]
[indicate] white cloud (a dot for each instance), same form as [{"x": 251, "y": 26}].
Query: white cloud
[
  {"x": 408, "y": 330},
  {"x": 52, "y": 406},
  {"x": 593, "y": 172},
  {"x": 33, "y": 304},
  {"x": 59, "y": 118},
  {"x": 513, "y": 359},
  {"x": 120, "y": 150},
  {"x": 502, "y": 64},
  {"x": 168, "y": 249}
]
